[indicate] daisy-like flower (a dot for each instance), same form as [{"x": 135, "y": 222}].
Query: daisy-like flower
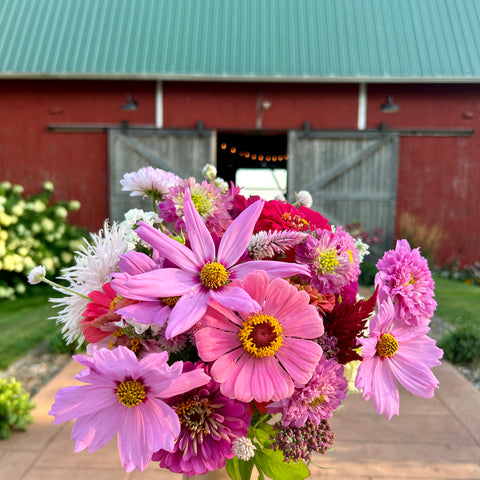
[
  {"x": 94, "y": 263},
  {"x": 212, "y": 205},
  {"x": 332, "y": 258},
  {"x": 259, "y": 354},
  {"x": 403, "y": 275},
  {"x": 125, "y": 396},
  {"x": 202, "y": 273},
  {"x": 210, "y": 423},
  {"x": 37, "y": 275},
  {"x": 393, "y": 352},
  {"x": 149, "y": 181},
  {"x": 318, "y": 399}
]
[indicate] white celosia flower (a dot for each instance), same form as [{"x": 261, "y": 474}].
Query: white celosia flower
[
  {"x": 94, "y": 263},
  {"x": 243, "y": 448},
  {"x": 267, "y": 244},
  {"x": 304, "y": 198},
  {"x": 149, "y": 181},
  {"x": 209, "y": 171},
  {"x": 48, "y": 186},
  {"x": 37, "y": 275}
]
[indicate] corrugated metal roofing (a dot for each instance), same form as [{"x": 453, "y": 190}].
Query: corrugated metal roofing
[{"x": 285, "y": 40}]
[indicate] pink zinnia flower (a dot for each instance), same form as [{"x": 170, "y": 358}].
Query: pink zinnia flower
[
  {"x": 403, "y": 275},
  {"x": 259, "y": 354},
  {"x": 332, "y": 258},
  {"x": 125, "y": 396},
  {"x": 318, "y": 399},
  {"x": 210, "y": 423},
  {"x": 393, "y": 352},
  {"x": 203, "y": 272}
]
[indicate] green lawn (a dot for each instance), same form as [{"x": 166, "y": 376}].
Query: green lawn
[
  {"x": 458, "y": 303},
  {"x": 24, "y": 324}
]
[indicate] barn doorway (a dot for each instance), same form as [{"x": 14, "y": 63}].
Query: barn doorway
[{"x": 255, "y": 162}]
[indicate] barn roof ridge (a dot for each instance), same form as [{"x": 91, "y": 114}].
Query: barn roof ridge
[{"x": 357, "y": 41}]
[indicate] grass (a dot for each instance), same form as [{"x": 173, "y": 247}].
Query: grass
[
  {"x": 458, "y": 303},
  {"x": 24, "y": 324}
]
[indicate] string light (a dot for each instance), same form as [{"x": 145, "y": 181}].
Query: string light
[{"x": 252, "y": 155}]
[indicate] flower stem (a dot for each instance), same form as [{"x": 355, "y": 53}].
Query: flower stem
[{"x": 58, "y": 286}]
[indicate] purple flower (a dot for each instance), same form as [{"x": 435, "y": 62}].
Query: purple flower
[
  {"x": 332, "y": 258},
  {"x": 318, "y": 399},
  {"x": 202, "y": 272},
  {"x": 210, "y": 423},
  {"x": 125, "y": 396},
  {"x": 394, "y": 351},
  {"x": 403, "y": 275}
]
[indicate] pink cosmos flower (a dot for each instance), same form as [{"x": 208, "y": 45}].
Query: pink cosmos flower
[
  {"x": 332, "y": 258},
  {"x": 395, "y": 351},
  {"x": 203, "y": 272},
  {"x": 403, "y": 275},
  {"x": 210, "y": 422},
  {"x": 318, "y": 399},
  {"x": 259, "y": 354},
  {"x": 125, "y": 396}
]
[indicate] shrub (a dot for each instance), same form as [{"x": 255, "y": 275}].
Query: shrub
[
  {"x": 15, "y": 407},
  {"x": 462, "y": 345},
  {"x": 33, "y": 231}
]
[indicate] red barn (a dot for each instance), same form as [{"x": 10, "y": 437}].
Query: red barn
[{"x": 372, "y": 106}]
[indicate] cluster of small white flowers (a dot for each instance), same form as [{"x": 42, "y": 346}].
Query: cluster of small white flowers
[
  {"x": 243, "y": 448},
  {"x": 363, "y": 249},
  {"x": 132, "y": 217}
]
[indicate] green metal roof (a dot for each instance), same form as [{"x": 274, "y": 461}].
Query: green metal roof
[{"x": 262, "y": 40}]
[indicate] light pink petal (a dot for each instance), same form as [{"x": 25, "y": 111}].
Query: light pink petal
[
  {"x": 155, "y": 312},
  {"x": 96, "y": 430},
  {"x": 237, "y": 382},
  {"x": 299, "y": 358},
  {"x": 134, "y": 263},
  {"x": 185, "y": 382},
  {"x": 273, "y": 268},
  {"x": 413, "y": 375},
  {"x": 422, "y": 349},
  {"x": 256, "y": 285},
  {"x": 165, "y": 282},
  {"x": 303, "y": 324},
  {"x": 198, "y": 234},
  {"x": 161, "y": 423},
  {"x": 235, "y": 298},
  {"x": 213, "y": 343},
  {"x": 235, "y": 239},
  {"x": 217, "y": 315},
  {"x": 177, "y": 253},
  {"x": 224, "y": 366},
  {"x": 269, "y": 381},
  {"x": 187, "y": 312},
  {"x": 132, "y": 441}
]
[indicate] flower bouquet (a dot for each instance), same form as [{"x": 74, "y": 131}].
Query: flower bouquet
[{"x": 225, "y": 331}]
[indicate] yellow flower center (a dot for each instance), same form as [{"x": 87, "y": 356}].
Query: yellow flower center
[
  {"x": 350, "y": 255},
  {"x": 131, "y": 393},
  {"x": 115, "y": 301},
  {"x": 214, "y": 275},
  {"x": 193, "y": 413},
  {"x": 203, "y": 203},
  {"x": 261, "y": 335},
  {"x": 411, "y": 281},
  {"x": 387, "y": 345},
  {"x": 170, "y": 301},
  {"x": 134, "y": 345},
  {"x": 317, "y": 401},
  {"x": 327, "y": 261}
]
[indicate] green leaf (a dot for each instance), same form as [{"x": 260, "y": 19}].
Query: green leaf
[
  {"x": 231, "y": 466},
  {"x": 239, "y": 469},
  {"x": 273, "y": 464}
]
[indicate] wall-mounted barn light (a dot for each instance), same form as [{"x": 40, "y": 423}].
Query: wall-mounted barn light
[
  {"x": 389, "y": 106},
  {"x": 131, "y": 103}
]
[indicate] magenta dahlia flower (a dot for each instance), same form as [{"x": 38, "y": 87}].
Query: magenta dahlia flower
[
  {"x": 403, "y": 275},
  {"x": 203, "y": 272},
  {"x": 258, "y": 354},
  {"x": 332, "y": 258},
  {"x": 210, "y": 423},
  {"x": 125, "y": 396},
  {"x": 394, "y": 351},
  {"x": 318, "y": 399}
]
